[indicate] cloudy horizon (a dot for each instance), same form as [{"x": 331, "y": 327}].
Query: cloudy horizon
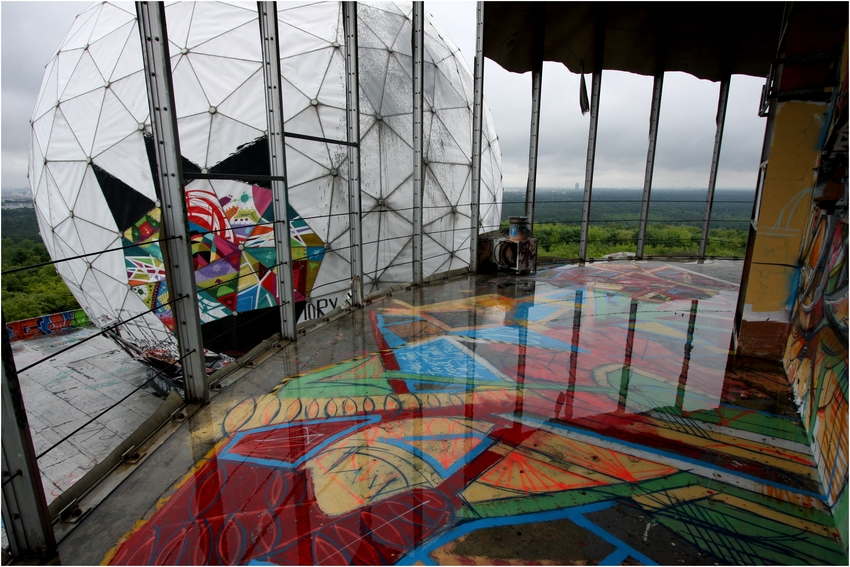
[{"x": 32, "y": 32}]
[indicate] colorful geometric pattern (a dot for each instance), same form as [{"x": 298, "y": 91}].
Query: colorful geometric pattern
[
  {"x": 816, "y": 357},
  {"x": 558, "y": 400},
  {"x": 232, "y": 234}
]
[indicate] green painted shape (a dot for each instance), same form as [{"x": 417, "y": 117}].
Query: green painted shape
[
  {"x": 683, "y": 479},
  {"x": 741, "y": 537},
  {"x": 80, "y": 318},
  {"x": 269, "y": 214},
  {"x": 265, "y": 299},
  {"x": 332, "y": 382},
  {"x": 524, "y": 504},
  {"x": 265, "y": 255},
  {"x": 774, "y": 425},
  {"x": 527, "y": 504}
]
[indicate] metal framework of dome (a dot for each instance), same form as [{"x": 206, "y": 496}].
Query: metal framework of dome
[{"x": 91, "y": 159}]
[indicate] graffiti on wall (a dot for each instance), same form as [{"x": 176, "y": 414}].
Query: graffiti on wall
[
  {"x": 581, "y": 396},
  {"x": 816, "y": 352},
  {"x": 46, "y": 325}
]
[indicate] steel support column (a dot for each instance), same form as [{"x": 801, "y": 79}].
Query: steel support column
[
  {"x": 180, "y": 274},
  {"x": 657, "y": 88},
  {"x": 477, "y": 116},
  {"x": 25, "y": 513},
  {"x": 595, "y": 87},
  {"x": 277, "y": 158},
  {"x": 531, "y": 186},
  {"x": 715, "y": 160},
  {"x": 352, "y": 105},
  {"x": 418, "y": 45}
]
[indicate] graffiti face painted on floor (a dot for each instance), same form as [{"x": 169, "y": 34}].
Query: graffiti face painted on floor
[{"x": 591, "y": 402}]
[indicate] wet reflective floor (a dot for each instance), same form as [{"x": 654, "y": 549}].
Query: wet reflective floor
[{"x": 587, "y": 414}]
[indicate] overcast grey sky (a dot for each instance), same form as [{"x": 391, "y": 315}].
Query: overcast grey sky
[{"x": 32, "y": 31}]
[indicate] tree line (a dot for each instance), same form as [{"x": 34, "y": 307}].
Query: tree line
[
  {"x": 674, "y": 222},
  {"x": 33, "y": 292}
]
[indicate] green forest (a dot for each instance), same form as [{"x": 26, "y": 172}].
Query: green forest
[
  {"x": 674, "y": 225},
  {"x": 34, "y": 292},
  {"x": 674, "y": 229}
]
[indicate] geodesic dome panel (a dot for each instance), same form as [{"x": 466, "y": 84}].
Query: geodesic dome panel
[{"x": 91, "y": 159}]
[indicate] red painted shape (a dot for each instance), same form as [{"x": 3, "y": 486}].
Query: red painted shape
[
  {"x": 229, "y": 301},
  {"x": 398, "y": 386},
  {"x": 290, "y": 443},
  {"x": 386, "y": 353}
]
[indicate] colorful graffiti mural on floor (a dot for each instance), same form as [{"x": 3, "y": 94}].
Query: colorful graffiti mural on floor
[
  {"x": 588, "y": 405},
  {"x": 46, "y": 325}
]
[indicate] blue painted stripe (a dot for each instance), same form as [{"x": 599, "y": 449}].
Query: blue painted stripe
[
  {"x": 616, "y": 558},
  {"x": 574, "y": 514}
]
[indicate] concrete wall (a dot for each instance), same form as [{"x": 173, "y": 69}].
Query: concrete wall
[{"x": 784, "y": 210}]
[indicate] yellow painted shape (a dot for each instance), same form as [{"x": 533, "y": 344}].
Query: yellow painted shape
[
  {"x": 353, "y": 473},
  {"x": 666, "y": 498},
  {"x": 477, "y": 492},
  {"x": 770, "y": 287},
  {"x": 783, "y": 459},
  {"x": 426, "y": 427},
  {"x": 572, "y": 467},
  {"x": 246, "y": 416},
  {"x": 777, "y": 516},
  {"x": 605, "y": 461},
  {"x": 786, "y": 199},
  {"x": 446, "y": 451},
  {"x": 660, "y": 329}
]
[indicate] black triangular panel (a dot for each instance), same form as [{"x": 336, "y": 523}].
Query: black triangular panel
[
  {"x": 151, "y": 151},
  {"x": 249, "y": 159},
  {"x": 189, "y": 168},
  {"x": 126, "y": 204}
]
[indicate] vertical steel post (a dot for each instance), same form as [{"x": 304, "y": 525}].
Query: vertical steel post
[
  {"x": 569, "y": 396},
  {"x": 477, "y": 117},
  {"x": 418, "y": 45},
  {"x": 352, "y": 105},
  {"x": 626, "y": 373},
  {"x": 277, "y": 158},
  {"x": 180, "y": 274},
  {"x": 25, "y": 513},
  {"x": 686, "y": 358},
  {"x": 715, "y": 161},
  {"x": 531, "y": 186},
  {"x": 657, "y": 87},
  {"x": 596, "y": 86}
]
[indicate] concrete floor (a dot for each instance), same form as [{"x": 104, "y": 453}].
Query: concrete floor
[
  {"x": 68, "y": 390},
  {"x": 588, "y": 414}
]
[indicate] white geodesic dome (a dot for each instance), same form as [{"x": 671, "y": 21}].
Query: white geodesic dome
[{"x": 93, "y": 189}]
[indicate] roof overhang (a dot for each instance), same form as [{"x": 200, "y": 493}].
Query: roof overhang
[{"x": 706, "y": 39}]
